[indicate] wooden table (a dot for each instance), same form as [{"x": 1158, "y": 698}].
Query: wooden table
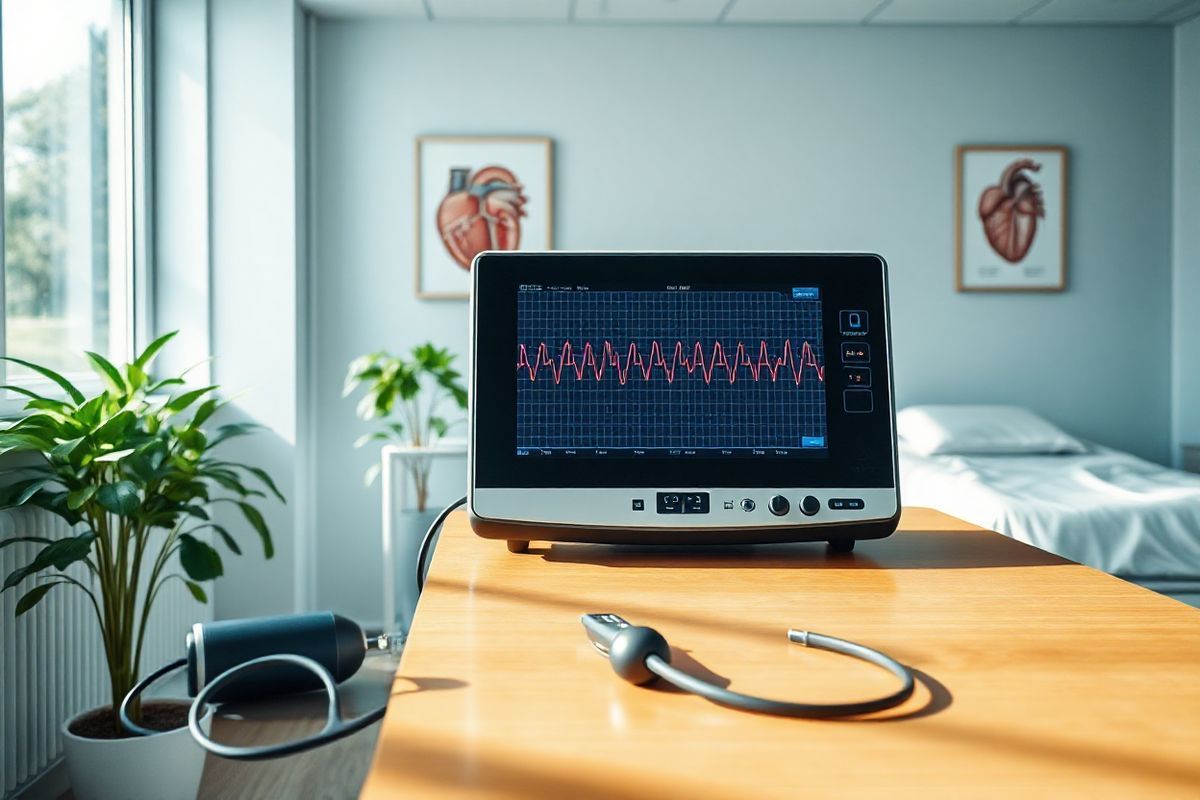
[{"x": 1038, "y": 677}]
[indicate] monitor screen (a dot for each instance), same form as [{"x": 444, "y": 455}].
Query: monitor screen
[{"x": 670, "y": 371}]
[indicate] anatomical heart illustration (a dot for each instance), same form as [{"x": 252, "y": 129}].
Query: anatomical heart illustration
[
  {"x": 1010, "y": 210},
  {"x": 481, "y": 211},
  {"x": 477, "y": 193},
  {"x": 1010, "y": 218}
]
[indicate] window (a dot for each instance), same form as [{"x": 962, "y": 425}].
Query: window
[{"x": 67, "y": 182}]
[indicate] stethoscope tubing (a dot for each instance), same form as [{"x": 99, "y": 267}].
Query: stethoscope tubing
[{"x": 763, "y": 705}]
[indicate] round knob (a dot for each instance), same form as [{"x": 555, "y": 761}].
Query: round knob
[
  {"x": 779, "y": 505},
  {"x": 810, "y": 505}
]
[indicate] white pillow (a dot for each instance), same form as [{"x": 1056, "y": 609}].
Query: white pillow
[{"x": 992, "y": 430}]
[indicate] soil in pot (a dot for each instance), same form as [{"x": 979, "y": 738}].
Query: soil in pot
[{"x": 157, "y": 715}]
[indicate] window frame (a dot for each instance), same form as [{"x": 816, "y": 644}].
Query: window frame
[{"x": 129, "y": 191}]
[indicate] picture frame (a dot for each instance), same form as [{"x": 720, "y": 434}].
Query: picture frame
[
  {"x": 1010, "y": 218},
  {"x": 473, "y": 193}
]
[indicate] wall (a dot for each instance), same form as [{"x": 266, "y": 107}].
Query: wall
[
  {"x": 1186, "y": 292},
  {"x": 255, "y": 267},
  {"x": 761, "y": 138}
]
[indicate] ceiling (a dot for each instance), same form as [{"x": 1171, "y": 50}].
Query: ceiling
[{"x": 817, "y": 12}]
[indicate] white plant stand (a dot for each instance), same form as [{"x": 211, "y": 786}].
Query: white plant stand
[{"x": 395, "y": 461}]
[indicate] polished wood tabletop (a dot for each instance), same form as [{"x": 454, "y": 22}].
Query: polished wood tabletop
[{"x": 1037, "y": 676}]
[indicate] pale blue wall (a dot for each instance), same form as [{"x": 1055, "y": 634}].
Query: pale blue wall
[
  {"x": 1186, "y": 294},
  {"x": 762, "y": 138}
]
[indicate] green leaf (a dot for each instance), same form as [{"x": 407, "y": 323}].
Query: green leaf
[
  {"x": 64, "y": 450},
  {"x": 32, "y": 395},
  {"x": 104, "y": 368},
  {"x": 147, "y": 355},
  {"x": 77, "y": 498},
  {"x": 367, "y": 438},
  {"x": 119, "y": 498},
  {"x": 255, "y": 518},
  {"x": 164, "y": 383},
  {"x": 18, "y": 539},
  {"x": 262, "y": 475},
  {"x": 205, "y": 411},
  {"x": 370, "y": 475},
  {"x": 439, "y": 425},
  {"x": 197, "y": 591},
  {"x": 88, "y": 414},
  {"x": 231, "y": 430},
  {"x": 135, "y": 376},
  {"x": 182, "y": 401},
  {"x": 34, "y": 596},
  {"x": 115, "y": 428},
  {"x": 195, "y": 511},
  {"x": 115, "y": 455},
  {"x": 31, "y": 489},
  {"x": 62, "y": 382},
  {"x": 223, "y": 533},
  {"x": 60, "y": 554},
  {"x": 200, "y": 561}
]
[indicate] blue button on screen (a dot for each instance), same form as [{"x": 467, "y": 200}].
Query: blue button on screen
[
  {"x": 812, "y": 441},
  {"x": 806, "y": 293}
]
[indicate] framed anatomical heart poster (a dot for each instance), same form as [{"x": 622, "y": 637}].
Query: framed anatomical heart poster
[
  {"x": 476, "y": 193},
  {"x": 1011, "y": 218}
]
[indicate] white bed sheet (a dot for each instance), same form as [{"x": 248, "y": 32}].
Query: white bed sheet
[{"x": 1105, "y": 508}]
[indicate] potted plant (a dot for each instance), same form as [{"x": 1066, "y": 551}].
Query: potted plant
[
  {"x": 132, "y": 470},
  {"x": 406, "y": 394}
]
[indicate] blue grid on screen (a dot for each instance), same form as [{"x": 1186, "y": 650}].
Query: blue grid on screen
[{"x": 566, "y": 400}]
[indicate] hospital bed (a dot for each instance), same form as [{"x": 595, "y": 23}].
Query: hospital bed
[{"x": 1095, "y": 505}]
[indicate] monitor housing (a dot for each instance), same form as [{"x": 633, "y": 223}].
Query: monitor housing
[{"x": 681, "y": 398}]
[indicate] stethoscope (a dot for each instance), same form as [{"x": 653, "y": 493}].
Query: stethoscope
[{"x": 236, "y": 659}]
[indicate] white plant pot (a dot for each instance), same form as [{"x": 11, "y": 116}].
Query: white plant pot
[{"x": 165, "y": 766}]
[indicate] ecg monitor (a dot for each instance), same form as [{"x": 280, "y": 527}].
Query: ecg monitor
[{"x": 681, "y": 397}]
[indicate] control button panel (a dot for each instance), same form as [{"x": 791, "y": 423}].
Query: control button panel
[
  {"x": 695, "y": 503},
  {"x": 856, "y": 353},
  {"x": 779, "y": 505},
  {"x": 682, "y": 503},
  {"x": 845, "y": 503},
  {"x": 670, "y": 503},
  {"x": 858, "y": 401},
  {"x": 854, "y": 323},
  {"x": 857, "y": 377}
]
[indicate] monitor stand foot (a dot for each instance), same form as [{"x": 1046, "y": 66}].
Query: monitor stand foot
[
  {"x": 837, "y": 545},
  {"x": 518, "y": 546}
]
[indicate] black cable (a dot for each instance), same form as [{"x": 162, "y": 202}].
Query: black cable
[
  {"x": 136, "y": 692},
  {"x": 427, "y": 541},
  {"x": 726, "y": 697},
  {"x": 335, "y": 727}
]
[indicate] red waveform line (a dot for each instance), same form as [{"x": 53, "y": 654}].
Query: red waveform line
[{"x": 611, "y": 359}]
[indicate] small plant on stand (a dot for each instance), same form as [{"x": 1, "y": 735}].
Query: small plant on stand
[{"x": 406, "y": 395}]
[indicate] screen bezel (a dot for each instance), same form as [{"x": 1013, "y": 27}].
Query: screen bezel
[{"x": 856, "y": 441}]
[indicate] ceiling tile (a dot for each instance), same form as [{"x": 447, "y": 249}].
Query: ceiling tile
[
  {"x": 649, "y": 10},
  {"x": 845, "y": 11},
  {"x": 1183, "y": 11},
  {"x": 1099, "y": 11},
  {"x": 397, "y": 9},
  {"x": 953, "y": 12},
  {"x": 495, "y": 9}
]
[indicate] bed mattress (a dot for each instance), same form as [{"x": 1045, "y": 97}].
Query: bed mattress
[{"x": 1104, "y": 508}]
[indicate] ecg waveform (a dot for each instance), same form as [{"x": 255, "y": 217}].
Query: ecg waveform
[
  {"x": 611, "y": 361},
  {"x": 699, "y": 371}
]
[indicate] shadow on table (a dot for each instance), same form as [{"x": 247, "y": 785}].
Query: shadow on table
[{"x": 903, "y": 550}]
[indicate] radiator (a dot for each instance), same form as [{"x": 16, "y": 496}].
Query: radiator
[{"x": 52, "y": 662}]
